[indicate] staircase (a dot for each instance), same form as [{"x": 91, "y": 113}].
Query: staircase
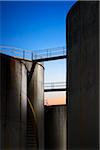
[{"x": 31, "y": 134}]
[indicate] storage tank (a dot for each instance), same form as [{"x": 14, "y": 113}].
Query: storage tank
[
  {"x": 55, "y": 127},
  {"x": 21, "y": 103},
  {"x": 83, "y": 75},
  {"x": 36, "y": 96},
  {"x": 13, "y": 103}
]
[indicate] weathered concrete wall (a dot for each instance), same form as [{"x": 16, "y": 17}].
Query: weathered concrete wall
[
  {"x": 55, "y": 127},
  {"x": 83, "y": 75},
  {"x": 13, "y": 101},
  {"x": 36, "y": 95}
]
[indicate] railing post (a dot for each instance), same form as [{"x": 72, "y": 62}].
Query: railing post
[
  {"x": 47, "y": 52},
  {"x": 23, "y": 54},
  {"x": 35, "y": 56},
  {"x": 32, "y": 56},
  {"x": 63, "y": 50},
  {"x": 52, "y": 85}
]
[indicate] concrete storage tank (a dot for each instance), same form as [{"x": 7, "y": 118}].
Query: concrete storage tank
[
  {"x": 13, "y": 103},
  {"x": 83, "y": 75},
  {"x": 55, "y": 127}
]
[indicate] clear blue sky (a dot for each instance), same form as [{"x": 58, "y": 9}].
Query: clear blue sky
[{"x": 36, "y": 25}]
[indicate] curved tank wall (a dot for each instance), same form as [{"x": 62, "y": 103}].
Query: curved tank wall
[
  {"x": 55, "y": 127},
  {"x": 36, "y": 95},
  {"x": 13, "y": 103},
  {"x": 83, "y": 75}
]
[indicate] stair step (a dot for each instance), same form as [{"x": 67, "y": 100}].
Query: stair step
[
  {"x": 31, "y": 141},
  {"x": 30, "y": 135},
  {"x": 29, "y": 132},
  {"x": 31, "y": 145}
]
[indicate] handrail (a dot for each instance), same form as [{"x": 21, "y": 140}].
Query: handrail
[
  {"x": 33, "y": 54},
  {"x": 32, "y": 109},
  {"x": 54, "y": 85}
]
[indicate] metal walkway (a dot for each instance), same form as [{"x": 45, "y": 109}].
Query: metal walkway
[
  {"x": 35, "y": 55},
  {"x": 39, "y": 56},
  {"x": 55, "y": 87}
]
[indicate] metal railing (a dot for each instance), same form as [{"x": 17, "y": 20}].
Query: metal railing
[
  {"x": 55, "y": 85},
  {"x": 16, "y": 52},
  {"x": 33, "y": 111},
  {"x": 48, "y": 53},
  {"x": 33, "y": 54}
]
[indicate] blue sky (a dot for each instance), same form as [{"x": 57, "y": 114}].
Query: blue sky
[{"x": 36, "y": 25}]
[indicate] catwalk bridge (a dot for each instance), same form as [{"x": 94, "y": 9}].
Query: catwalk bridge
[
  {"x": 35, "y": 55},
  {"x": 39, "y": 56},
  {"x": 55, "y": 86}
]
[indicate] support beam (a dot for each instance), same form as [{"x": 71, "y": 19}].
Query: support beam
[
  {"x": 55, "y": 90},
  {"x": 50, "y": 58}
]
